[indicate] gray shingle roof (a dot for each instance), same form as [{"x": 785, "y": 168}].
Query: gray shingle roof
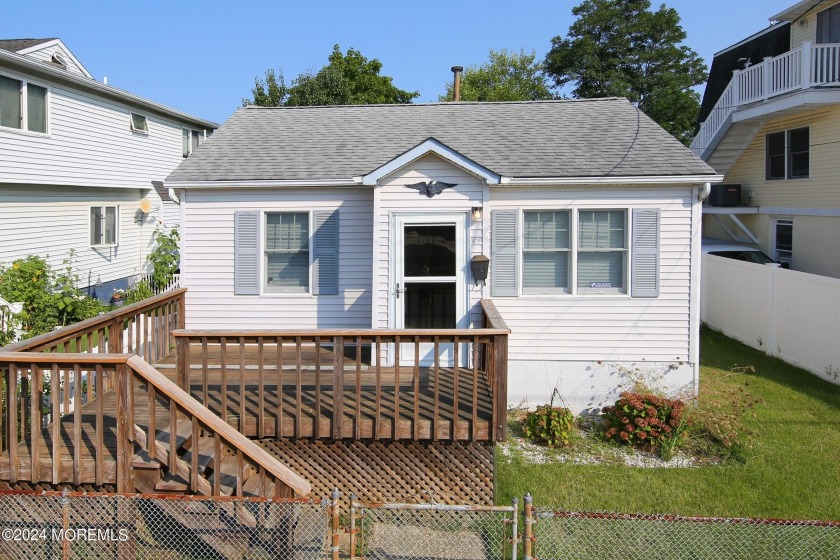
[
  {"x": 570, "y": 138},
  {"x": 15, "y": 45}
]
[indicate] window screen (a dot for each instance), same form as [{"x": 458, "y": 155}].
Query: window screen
[
  {"x": 287, "y": 252},
  {"x": 546, "y": 251},
  {"x": 602, "y": 255}
]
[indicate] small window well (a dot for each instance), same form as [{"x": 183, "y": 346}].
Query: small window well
[{"x": 139, "y": 123}]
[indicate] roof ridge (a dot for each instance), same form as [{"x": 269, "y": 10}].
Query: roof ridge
[{"x": 444, "y": 104}]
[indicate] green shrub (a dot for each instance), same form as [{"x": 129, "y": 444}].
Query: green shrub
[
  {"x": 550, "y": 425},
  {"x": 644, "y": 420},
  {"x": 138, "y": 292}
]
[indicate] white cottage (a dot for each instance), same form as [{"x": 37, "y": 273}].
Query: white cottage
[
  {"x": 371, "y": 217},
  {"x": 77, "y": 162}
]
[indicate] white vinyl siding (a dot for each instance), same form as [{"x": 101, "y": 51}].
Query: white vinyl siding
[
  {"x": 599, "y": 327},
  {"x": 394, "y": 197},
  {"x": 207, "y": 260},
  {"x": 62, "y": 219}
]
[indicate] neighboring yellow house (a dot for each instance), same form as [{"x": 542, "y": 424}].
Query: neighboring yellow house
[{"x": 775, "y": 130}]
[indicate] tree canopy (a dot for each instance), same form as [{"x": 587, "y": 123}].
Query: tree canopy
[
  {"x": 505, "y": 76},
  {"x": 348, "y": 79},
  {"x": 621, "y": 48}
]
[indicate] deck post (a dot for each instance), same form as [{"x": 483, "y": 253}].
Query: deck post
[
  {"x": 125, "y": 447},
  {"x": 182, "y": 348},
  {"x": 115, "y": 338},
  {"x": 338, "y": 386},
  {"x": 500, "y": 373}
]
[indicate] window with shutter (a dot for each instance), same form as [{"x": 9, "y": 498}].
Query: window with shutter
[{"x": 325, "y": 260}]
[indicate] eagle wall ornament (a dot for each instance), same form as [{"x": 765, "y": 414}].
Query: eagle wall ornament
[{"x": 431, "y": 188}]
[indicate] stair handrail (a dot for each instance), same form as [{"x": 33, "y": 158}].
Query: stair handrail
[{"x": 195, "y": 409}]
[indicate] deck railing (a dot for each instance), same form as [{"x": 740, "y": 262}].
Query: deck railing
[
  {"x": 805, "y": 67},
  {"x": 30, "y": 380},
  {"x": 372, "y": 383}
]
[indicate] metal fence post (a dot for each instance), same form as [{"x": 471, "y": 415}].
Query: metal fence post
[
  {"x": 352, "y": 526},
  {"x": 529, "y": 520},
  {"x": 336, "y": 536},
  {"x": 514, "y": 541}
]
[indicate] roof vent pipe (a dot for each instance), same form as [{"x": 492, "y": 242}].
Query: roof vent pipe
[{"x": 456, "y": 90}]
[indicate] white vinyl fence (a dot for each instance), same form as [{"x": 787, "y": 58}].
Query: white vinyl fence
[{"x": 791, "y": 315}]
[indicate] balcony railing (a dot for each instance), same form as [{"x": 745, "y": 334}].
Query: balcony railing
[{"x": 806, "y": 67}]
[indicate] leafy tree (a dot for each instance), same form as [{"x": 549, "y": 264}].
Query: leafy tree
[
  {"x": 621, "y": 48},
  {"x": 348, "y": 79},
  {"x": 504, "y": 77}
]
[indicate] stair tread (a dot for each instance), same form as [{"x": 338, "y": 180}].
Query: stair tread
[
  {"x": 206, "y": 446},
  {"x": 172, "y": 483},
  {"x": 183, "y": 433},
  {"x": 228, "y": 468}
]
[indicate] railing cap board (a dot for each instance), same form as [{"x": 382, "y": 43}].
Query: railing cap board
[
  {"x": 194, "y": 408},
  {"x": 493, "y": 315},
  {"x": 62, "y": 358},
  {"x": 330, "y": 333},
  {"x": 68, "y": 332}
]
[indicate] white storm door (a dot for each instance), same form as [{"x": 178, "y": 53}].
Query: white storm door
[{"x": 430, "y": 290}]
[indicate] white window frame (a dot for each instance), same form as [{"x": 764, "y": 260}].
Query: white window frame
[
  {"x": 202, "y": 136},
  {"x": 787, "y": 155},
  {"x": 24, "y": 107},
  {"x": 134, "y": 128},
  {"x": 574, "y": 250},
  {"x": 264, "y": 255},
  {"x": 104, "y": 208},
  {"x": 776, "y": 221}
]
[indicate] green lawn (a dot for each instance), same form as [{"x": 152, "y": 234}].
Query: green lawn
[{"x": 791, "y": 472}]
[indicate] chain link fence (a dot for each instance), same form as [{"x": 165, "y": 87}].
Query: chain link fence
[
  {"x": 573, "y": 535},
  {"x": 425, "y": 531},
  {"x": 90, "y": 526}
]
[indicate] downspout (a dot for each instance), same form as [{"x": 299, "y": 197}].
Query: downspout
[
  {"x": 704, "y": 192},
  {"x": 177, "y": 200}
]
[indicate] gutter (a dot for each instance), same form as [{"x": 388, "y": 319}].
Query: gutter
[{"x": 62, "y": 77}]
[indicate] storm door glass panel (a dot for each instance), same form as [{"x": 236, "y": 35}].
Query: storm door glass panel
[
  {"x": 9, "y": 102},
  {"x": 430, "y": 305},
  {"x": 429, "y": 251}
]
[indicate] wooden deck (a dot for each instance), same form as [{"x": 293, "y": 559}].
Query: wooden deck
[{"x": 250, "y": 404}]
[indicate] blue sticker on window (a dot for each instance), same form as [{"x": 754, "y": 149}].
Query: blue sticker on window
[{"x": 600, "y": 285}]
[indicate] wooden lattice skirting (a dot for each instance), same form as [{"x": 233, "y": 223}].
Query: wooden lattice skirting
[{"x": 394, "y": 471}]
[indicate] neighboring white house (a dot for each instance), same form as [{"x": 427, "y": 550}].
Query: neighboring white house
[
  {"x": 369, "y": 216},
  {"x": 774, "y": 130},
  {"x": 77, "y": 161}
]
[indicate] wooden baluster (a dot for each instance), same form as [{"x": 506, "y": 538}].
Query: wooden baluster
[
  {"x": 217, "y": 464},
  {"x": 66, "y": 391},
  {"x": 279, "y": 422},
  {"x": 12, "y": 406},
  {"x": 138, "y": 349},
  {"x": 3, "y": 375},
  {"x": 35, "y": 417},
  {"x": 55, "y": 397},
  {"x": 298, "y": 383},
  {"x": 100, "y": 426},
  {"x": 436, "y": 373},
  {"x": 194, "y": 456},
  {"x": 173, "y": 439},
  {"x": 90, "y": 343},
  {"x": 89, "y": 389},
  {"x": 242, "y": 409},
  {"x": 223, "y": 365},
  {"x": 397, "y": 348},
  {"x": 151, "y": 432},
  {"x": 77, "y": 424},
  {"x": 338, "y": 387},
  {"x": 240, "y": 471},
  {"x": 358, "y": 430},
  {"x": 204, "y": 370},
  {"x": 24, "y": 404},
  {"x": 317, "y": 426},
  {"x": 475, "y": 387},
  {"x": 377, "y": 419},
  {"x": 456, "y": 389},
  {"x": 261, "y": 388},
  {"x": 130, "y": 335},
  {"x": 416, "y": 434}
]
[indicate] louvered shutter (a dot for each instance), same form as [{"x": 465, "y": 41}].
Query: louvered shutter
[
  {"x": 503, "y": 271},
  {"x": 325, "y": 261},
  {"x": 645, "y": 255},
  {"x": 246, "y": 258}
]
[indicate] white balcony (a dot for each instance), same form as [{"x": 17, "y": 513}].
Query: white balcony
[{"x": 805, "y": 68}]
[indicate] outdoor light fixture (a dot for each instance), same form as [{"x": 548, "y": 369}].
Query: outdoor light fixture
[{"x": 476, "y": 213}]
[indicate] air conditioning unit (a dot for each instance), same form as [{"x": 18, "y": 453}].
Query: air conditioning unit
[{"x": 725, "y": 195}]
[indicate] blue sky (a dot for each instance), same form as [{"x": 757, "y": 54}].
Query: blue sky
[{"x": 202, "y": 57}]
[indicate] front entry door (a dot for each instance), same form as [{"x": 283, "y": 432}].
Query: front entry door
[{"x": 430, "y": 290}]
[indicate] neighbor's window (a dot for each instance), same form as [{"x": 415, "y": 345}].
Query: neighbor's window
[
  {"x": 783, "y": 236},
  {"x": 788, "y": 154},
  {"x": 103, "y": 225},
  {"x": 602, "y": 250},
  {"x": 23, "y": 105},
  {"x": 546, "y": 251},
  {"x": 190, "y": 140},
  {"x": 139, "y": 123},
  {"x": 287, "y": 252},
  {"x": 828, "y": 25}
]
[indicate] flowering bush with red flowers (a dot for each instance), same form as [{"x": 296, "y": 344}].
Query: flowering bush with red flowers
[{"x": 640, "y": 419}]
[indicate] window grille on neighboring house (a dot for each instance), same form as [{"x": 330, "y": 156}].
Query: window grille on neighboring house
[{"x": 783, "y": 240}]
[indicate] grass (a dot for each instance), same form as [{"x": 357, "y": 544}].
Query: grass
[{"x": 791, "y": 470}]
